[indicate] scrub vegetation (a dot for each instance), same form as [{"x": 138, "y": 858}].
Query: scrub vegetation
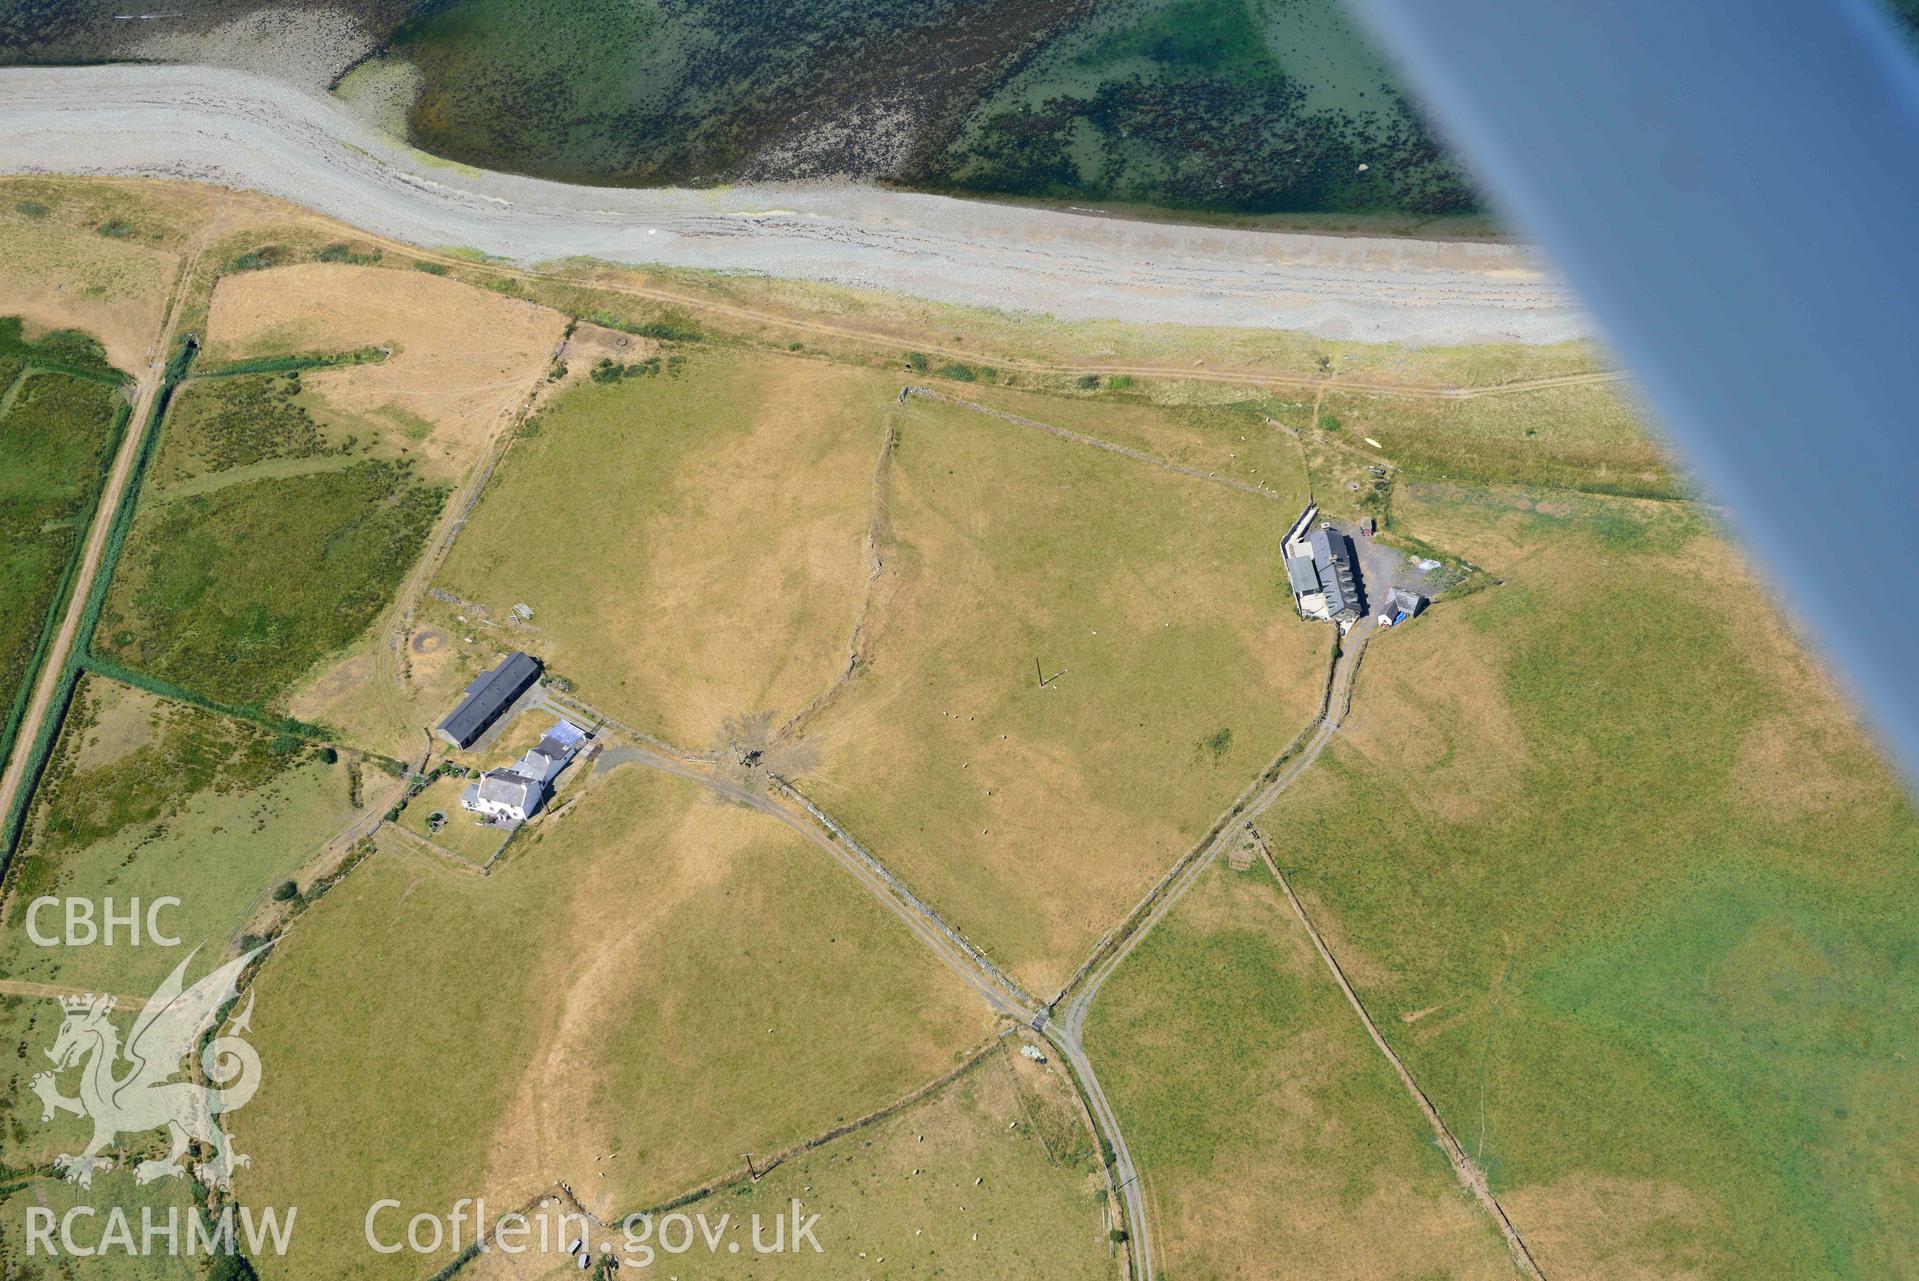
[
  {"x": 237, "y": 592},
  {"x": 223, "y": 423}
]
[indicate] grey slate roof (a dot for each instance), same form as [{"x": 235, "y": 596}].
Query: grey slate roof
[
  {"x": 1300, "y": 573},
  {"x": 1399, "y": 598},
  {"x": 508, "y": 787},
  {"x": 556, "y": 747},
  {"x": 490, "y": 694},
  {"x": 1333, "y": 560}
]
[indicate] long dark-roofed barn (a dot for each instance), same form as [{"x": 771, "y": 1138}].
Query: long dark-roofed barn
[{"x": 488, "y": 697}]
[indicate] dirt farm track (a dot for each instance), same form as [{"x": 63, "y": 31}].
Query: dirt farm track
[{"x": 248, "y": 131}]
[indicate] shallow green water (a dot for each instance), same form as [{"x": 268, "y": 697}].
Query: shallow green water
[{"x": 1231, "y": 105}]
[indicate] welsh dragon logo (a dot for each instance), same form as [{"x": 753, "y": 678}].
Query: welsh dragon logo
[{"x": 144, "y": 1094}]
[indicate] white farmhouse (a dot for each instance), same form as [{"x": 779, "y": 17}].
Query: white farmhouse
[
  {"x": 505, "y": 795},
  {"x": 516, "y": 793}
]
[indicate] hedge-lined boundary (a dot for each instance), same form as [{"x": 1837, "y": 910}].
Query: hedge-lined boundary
[
  {"x": 36, "y": 765},
  {"x": 294, "y": 364},
  {"x": 14, "y": 821},
  {"x": 57, "y": 605},
  {"x": 41, "y": 365},
  {"x": 110, "y": 670}
]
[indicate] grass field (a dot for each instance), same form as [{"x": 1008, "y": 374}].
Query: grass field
[
  {"x": 711, "y": 518},
  {"x": 992, "y": 1178},
  {"x": 1035, "y": 817},
  {"x": 1633, "y": 896},
  {"x": 142, "y": 799},
  {"x": 57, "y": 433},
  {"x": 1588, "y": 437},
  {"x": 115, "y": 1188},
  {"x": 1237, "y": 438},
  {"x": 60, "y": 272},
  {"x": 641, "y": 991},
  {"x": 461, "y": 834},
  {"x": 462, "y": 359},
  {"x": 285, "y": 510},
  {"x": 1275, "y": 1139},
  {"x": 237, "y": 592}
]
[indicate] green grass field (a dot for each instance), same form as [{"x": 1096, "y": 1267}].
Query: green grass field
[
  {"x": 1589, "y": 437},
  {"x": 462, "y": 834},
  {"x": 142, "y": 799},
  {"x": 1275, "y": 1139},
  {"x": 1034, "y": 818},
  {"x": 641, "y": 991},
  {"x": 1633, "y": 896},
  {"x": 993, "y": 1177},
  {"x": 1233, "y": 439},
  {"x": 115, "y": 1188},
  {"x": 57, "y": 434},
  {"x": 237, "y": 592}
]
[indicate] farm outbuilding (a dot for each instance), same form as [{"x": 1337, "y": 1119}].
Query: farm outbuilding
[
  {"x": 488, "y": 697},
  {"x": 1400, "y": 606}
]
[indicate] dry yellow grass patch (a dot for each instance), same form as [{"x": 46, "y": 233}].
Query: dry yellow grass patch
[
  {"x": 388, "y": 690},
  {"x": 57, "y": 275},
  {"x": 122, "y": 724},
  {"x": 726, "y": 559},
  {"x": 464, "y": 359},
  {"x": 1592, "y": 1227},
  {"x": 1451, "y": 728},
  {"x": 756, "y": 580},
  {"x": 1033, "y": 818},
  {"x": 1811, "y": 757},
  {"x": 992, "y": 1177},
  {"x": 635, "y": 996},
  {"x": 1400, "y": 1231}
]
